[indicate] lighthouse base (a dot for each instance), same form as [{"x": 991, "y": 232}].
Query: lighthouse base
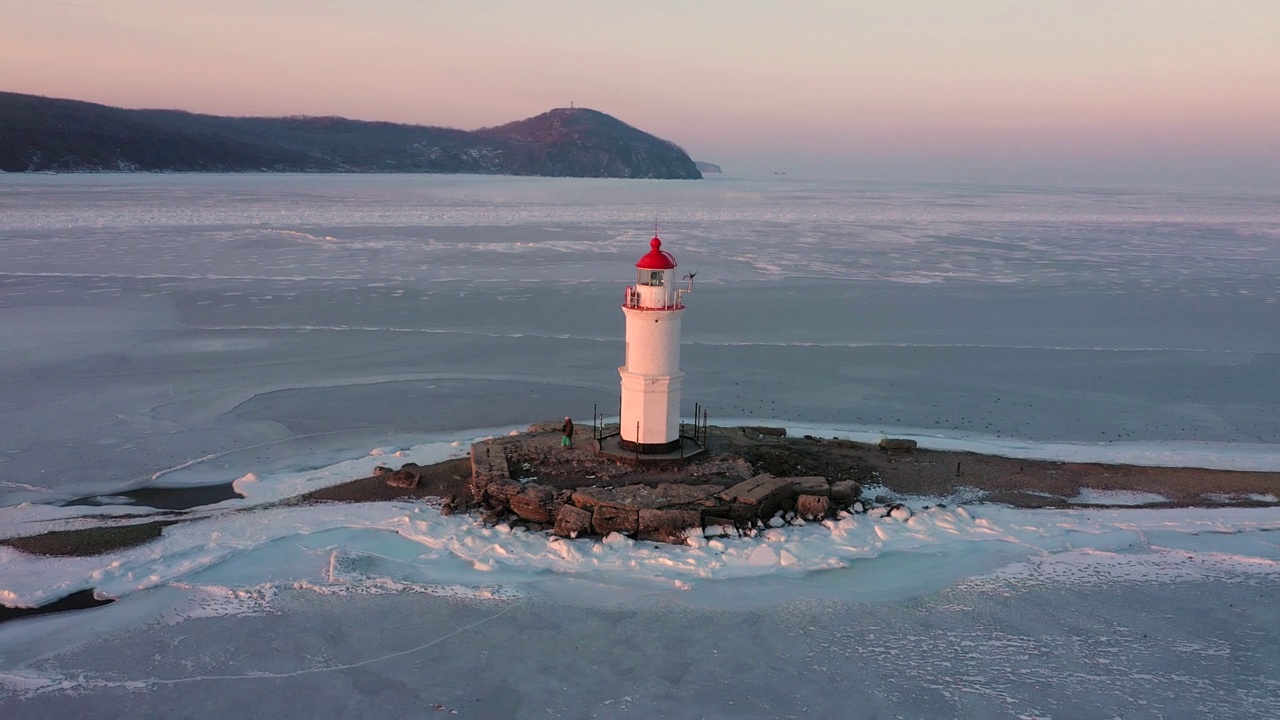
[
  {"x": 678, "y": 451},
  {"x": 650, "y": 448},
  {"x": 650, "y": 410}
]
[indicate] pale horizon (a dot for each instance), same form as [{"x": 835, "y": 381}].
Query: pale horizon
[{"x": 1147, "y": 94}]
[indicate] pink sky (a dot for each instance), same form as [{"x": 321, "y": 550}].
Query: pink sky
[{"x": 985, "y": 90}]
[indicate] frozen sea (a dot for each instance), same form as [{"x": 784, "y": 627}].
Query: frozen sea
[{"x": 286, "y": 332}]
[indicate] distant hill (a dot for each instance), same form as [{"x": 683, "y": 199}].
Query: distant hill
[
  {"x": 46, "y": 134},
  {"x": 706, "y": 167}
]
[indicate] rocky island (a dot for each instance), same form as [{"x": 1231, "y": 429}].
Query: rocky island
[
  {"x": 749, "y": 479},
  {"x": 752, "y": 477}
]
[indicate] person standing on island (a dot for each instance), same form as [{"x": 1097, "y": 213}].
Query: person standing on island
[{"x": 567, "y": 429}]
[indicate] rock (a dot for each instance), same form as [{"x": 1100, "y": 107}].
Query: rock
[
  {"x": 765, "y": 431},
  {"x": 572, "y": 521},
  {"x": 714, "y": 525},
  {"x": 381, "y": 470},
  {"x": 728, "y": 469},
  {"x": 898, "y": 511},
  {"x": 675, "y": 495},
  {"x": 402, "y": 479},
  {"x": 737, "y": 493},
  {"x": 535, "y": 503},
  {"x": 668, "y": 526},
  {"x": 762, "y": 495},
  {"x": 897, "y": 445},
  {"x": 488, "y": 465},
  {"x": 589, "y": 498},
  {"x": 845, "y": 492},
  {"x": 448, "y": 507},
  {"x": 637, "y": 497},
  {"x": 812, "y": 485},
  {"x": 606, "y": 519},
  {"x": 788, "y": 459},
  {"x": 813, "y": 507},
  {"x": 498, "y": 493}
]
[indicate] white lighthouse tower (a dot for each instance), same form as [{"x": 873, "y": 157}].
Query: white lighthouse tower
[{"x": 651, "y": 377}]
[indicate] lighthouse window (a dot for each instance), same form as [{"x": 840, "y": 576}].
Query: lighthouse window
[{"x": 655, "y": 277}]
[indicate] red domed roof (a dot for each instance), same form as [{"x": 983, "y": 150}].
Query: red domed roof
[{"x": 656, "y": 258}]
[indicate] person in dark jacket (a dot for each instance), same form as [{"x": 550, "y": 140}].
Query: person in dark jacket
[{"x": 567, "y": 429}]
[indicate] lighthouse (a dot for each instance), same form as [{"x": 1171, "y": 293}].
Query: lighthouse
[{"x": 651, "y": 377}]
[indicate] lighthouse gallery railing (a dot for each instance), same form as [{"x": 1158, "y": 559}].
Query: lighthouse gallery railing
[{"x": 669, "y": 301}]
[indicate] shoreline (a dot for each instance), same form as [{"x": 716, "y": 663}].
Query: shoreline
[
  {"x": 944, "y": 475},
  {"x": 887, "y": 478}
]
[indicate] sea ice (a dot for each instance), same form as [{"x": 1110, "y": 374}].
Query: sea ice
[{"x": 196, "y": 329}]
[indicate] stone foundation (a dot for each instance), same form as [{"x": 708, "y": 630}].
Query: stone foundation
[{"x": 708, "y": 496}]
